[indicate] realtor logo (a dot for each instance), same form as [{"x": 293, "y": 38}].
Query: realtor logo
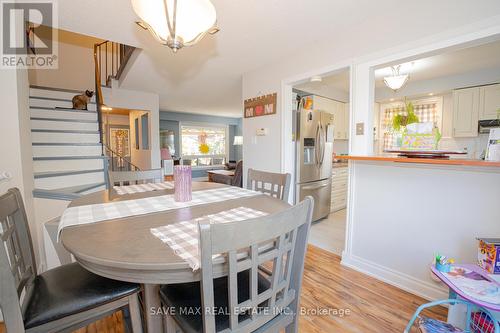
[{"x": 28, "y": 34}]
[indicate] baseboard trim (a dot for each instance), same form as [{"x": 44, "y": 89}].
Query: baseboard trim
[{"x": 400, "y": 280}]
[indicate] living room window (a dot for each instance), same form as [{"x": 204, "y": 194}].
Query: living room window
[{"x": 204, "y": 145}]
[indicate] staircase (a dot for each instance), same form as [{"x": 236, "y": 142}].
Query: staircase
[{"x": 67, "y": 153}]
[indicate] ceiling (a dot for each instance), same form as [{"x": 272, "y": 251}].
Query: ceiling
[
  {"x": 207, "y": 78},
  {"x": 447, "y": 64},
  {"x": 486, "y": 56},
  {"x": 339, "y": 81}
]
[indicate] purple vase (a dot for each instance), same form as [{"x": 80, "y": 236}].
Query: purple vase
[{"x": 182, "y": 183}]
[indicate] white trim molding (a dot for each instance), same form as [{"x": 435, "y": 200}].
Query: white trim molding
[{"x": 424, "y": 289}]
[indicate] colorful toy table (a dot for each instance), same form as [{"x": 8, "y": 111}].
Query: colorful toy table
[{"x": 456, "y": 292}]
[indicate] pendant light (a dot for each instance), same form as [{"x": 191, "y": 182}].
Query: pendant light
[
  {"x": 177, "y": 23},
  {"x": 396, "y": 81}
]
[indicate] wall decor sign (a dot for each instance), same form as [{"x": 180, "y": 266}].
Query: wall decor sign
[{"x": 260, "y": 106}]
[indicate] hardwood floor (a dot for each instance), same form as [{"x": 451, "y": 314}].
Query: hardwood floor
[{"x": 373, "y": 306}]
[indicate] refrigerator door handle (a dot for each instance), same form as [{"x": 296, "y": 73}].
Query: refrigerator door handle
[
  {"x": 317, "y": 148},
  {"x": 323, "y": 144}
]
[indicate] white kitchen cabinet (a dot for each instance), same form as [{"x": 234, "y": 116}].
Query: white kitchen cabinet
[
  {"x": 489, "y": 102},
  {"x": 465, "y": 112},
  {"x": 339, "y": 188},
  {"x": 339, "y": 121},
  {"x": 340, "y": 115}
]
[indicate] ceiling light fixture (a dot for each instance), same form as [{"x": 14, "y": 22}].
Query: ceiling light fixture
[
  {"x": 177, "y": 23},
  {"x": 396, "y": 81},
  {"x": 316, "y": 78}
]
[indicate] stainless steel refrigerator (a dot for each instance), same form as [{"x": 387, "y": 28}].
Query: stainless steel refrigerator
[{"x": 314, "y": 149}]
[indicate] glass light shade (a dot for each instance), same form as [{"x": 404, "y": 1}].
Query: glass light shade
[
  {"x": 396, "y": 81},
  {"x": 238, "y": 140},
  {"x": 193, "y": 19}
]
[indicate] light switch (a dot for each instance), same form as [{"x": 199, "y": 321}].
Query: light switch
[{"x": 360, "y": 128}]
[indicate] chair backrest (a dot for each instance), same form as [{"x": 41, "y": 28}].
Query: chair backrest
[
  {"x": 247, "y": 245},
  {"x": 238, "y": 175},
  {"x": 119, "y": 178},
  {"x": 275, "y": 184},
  {"x": 17, "y": 260}
]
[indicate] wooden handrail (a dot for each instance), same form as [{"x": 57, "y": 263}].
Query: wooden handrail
[
  {"x": 120, "y": 55},
  {"x": 113, "y": 154}
]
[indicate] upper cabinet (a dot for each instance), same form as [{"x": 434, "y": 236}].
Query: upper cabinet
[
  {"x": 340, "y": 113},
  {"x": 489, "y": 102},
  {"x": 473, "y": 104},
  {"x": 465, "y": 112}
]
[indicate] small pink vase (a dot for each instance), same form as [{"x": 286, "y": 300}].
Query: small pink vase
[{"x": 182, "y": 183}]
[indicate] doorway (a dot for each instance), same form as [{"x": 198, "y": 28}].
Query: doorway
[{"x": 328, "y": 95}]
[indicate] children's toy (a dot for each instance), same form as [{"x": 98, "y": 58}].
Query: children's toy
[
  {"x": 443, "y": 264},
  {"x": 489, "y": 255},
  {"x": 479, "y": 320}
]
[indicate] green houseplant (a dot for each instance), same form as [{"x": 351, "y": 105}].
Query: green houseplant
[{"x": 399, "y": 121}]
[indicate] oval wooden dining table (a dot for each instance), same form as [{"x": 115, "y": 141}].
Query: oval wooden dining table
[{"x": 124, "y": 249}]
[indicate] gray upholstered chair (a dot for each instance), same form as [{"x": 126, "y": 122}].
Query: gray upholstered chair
[
  {"x": 119, "y": 178},
  {"x": 61, "y": 299},
  {"x": 235, "y": 180},
  {"x": 274, "y": 184},
  {"x": 271, "y": 300}
]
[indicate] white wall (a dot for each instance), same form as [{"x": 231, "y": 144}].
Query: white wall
[
  {"x": 76, "y": 64},
  {"x": 140, "y": 157},
  {"x": 362, "y": 45},
  {"x": 140, "y": 101},
  {"x": 364, "y": 49},
  {"x": 15, "y": 143},
  {"x": 403, "y": 215}
]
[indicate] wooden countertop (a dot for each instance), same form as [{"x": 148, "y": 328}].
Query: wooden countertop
[{"x": 398, "y": 159}]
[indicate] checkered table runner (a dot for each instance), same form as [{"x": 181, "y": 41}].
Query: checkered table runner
[
  {"x": 121, "y": 209},
  {"x": 183, "y": 237},
  {"x": 131, "y": 189}
]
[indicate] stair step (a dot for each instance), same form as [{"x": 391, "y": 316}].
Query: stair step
[
  {"x": 59, "y": 179},
  {"x": 68, "y": 193},
  {"x": 61, "y": 158},
  {"x": 55, "y": 102},
  {"x": 63, "y": 173},
  {"x": 55, "y": 144},
  {"x": 47, "y": 164},
  {"x": 64, "y": 136},
  {"x": 63, "y": 114},
  {"x": 54, "y": 149},
  {"x": 60, "y": 93},
  {"x": 65, "y": 120},
  {"x": 64, "y": 124},
  {"x": 57, "y": 108}
]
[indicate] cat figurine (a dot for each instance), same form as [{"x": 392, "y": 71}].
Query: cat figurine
[{"x": 80, "y": 101}]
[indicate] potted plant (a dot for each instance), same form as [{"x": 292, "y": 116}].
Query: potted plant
[{"x": 400, "y": 121}]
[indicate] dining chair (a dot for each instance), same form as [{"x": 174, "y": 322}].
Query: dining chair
[
  {"x": 120, "y": 178},
  {"x": 275, "y": 184},
  {"x": 59, "y": 300},
  {"x": 244, "y": 299}
]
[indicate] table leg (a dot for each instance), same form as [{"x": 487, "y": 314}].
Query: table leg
[{"x": 154, "y": 322}]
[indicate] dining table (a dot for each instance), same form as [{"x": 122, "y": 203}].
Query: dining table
[{"x": 124, "y": 249}]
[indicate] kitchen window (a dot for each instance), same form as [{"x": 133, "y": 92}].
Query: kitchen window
[
  {"x": 427, "y": 110},
  {"x": 204, "y": 145}
]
